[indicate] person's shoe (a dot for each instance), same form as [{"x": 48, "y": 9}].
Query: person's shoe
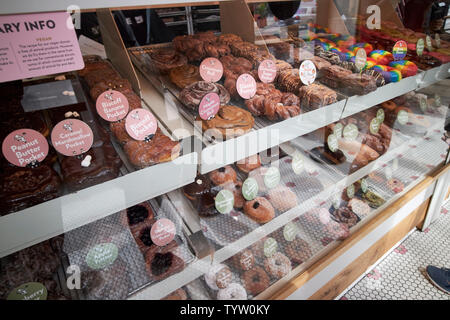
[{"x": 440, "y": 277}]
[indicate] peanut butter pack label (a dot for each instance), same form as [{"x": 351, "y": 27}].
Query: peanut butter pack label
[
  {"x": 211, "y": 70},
  {"x": 72, "y": 137},
  {"x": 25, "y": 147},
  {"x": 112, "y": 105},
  {"x": 140, "y": 124}
]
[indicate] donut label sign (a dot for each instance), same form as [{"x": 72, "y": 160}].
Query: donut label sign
[
  {"x": 399, "y": 50},
  {"x": 307, "y": 71},
  {"x": 72, "y": 137},
  {"x": 211, "y": 70},
  {"x": 420, "y": 46},
  {"x": 246, "y": 86},
  {"x": 224, "y": 201},
  {"x": 162, "y": 232},
  {"x": 29, "y": 291},
  {"x": 423, "y": 102},
  {"x": 374, "y": 126},
  {"x": 337, "y": 130},
  {"x": 250, "y": 189},
  {"x": 25, "y": 147},
  {"x": 298, "y": 163},
  {"x": 350, "y": 131},
  {"x": 437, "y": 39},
  {"x": 360, "y": 58},
  {"x": 141, "y": 124},
  {"x": 380, "y": 115},
  {"x": 209, "y": 106},
  {"x": 428, "y": 42},
  {"x": 402, "y": 117},
  {"x": 267, "y": 71},
  {"x": 112, "y": 105},
  {"x": 270, "y": 247},
  {"x": 272, "y": 177},
  {"x": 102, "y": 255},
  {"x": 351, "y": 191},
  {"x": 290, "y": 231},
  {"x": 332, "y": 143},
  {"x": 364, "y": 185}
]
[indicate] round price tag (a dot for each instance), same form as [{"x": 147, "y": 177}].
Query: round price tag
[
  {"x": 332, "y": 142},
  {"x": 102, "y": 255},
  {"x": 364, "y": 185},
  {"x": 374, "y": 126},
  {"x": 224, "y": 201},
  {"x": 163, "y": 232},
  {"x": 351, "y": 191},
  {"x": 211, "y": 70},
  {"x": 209, "y": 106},
  {"x": 290, "y": 231},
  {"x": 72, "y": 137},
  {"x": 272, "y": 177},
  {"x": 360, "y": 59},
  {"x": 380, "y": 115},
  {"x": 437, "y": 100},
  {"x": 250, "y": 189},
  {"x": 29, "y": 291},
  {"x": 429, "y": 43},
  {"x": 420, "y": 46},
  {"x": 337, "y": 130},
  {"x": 336, "y": 201},
  {"x": 24, "y": 147},
  {"x": 437, "y": 39},
  {"x": 267, "y": 71},
  {"x": 423, "y": 102},
  {"x": 400, "y": 49},
  {"x": 270, "y": 247},
  {"x": 350, "y": 131},
  {"x": 402, "y": 117},
  {"x": 307, "y": 71},
  {"x": 246, "y": 86},
  {"x": 298, "y": 163},
  {"x": 140, "y": 124},
  {"x": 112, "y": 105}
]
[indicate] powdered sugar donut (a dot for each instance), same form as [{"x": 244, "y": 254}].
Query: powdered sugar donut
[
  {"x": 234, "y": 291},
  {"x": 278, "y": 265},
  {"x": 211, "y": 276}
]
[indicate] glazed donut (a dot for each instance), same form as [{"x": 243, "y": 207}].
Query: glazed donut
[
  {"x": 178, "y": 294},
  {"x": 229, "y": 122},
  {"x": 259, "y": 209},
  {"x": 244, "y": 260},
  {"x": 236, "y": 188},
  {"x": 278, "y": 265},
  {"x": 234, "y": 291},
  {"x": 255, "y": 280},
  {"x": 248, "y": 164},
  {"x": 346, "y": 216},
  {"x": 223, "y": 175},
  {"x": 282, "y": 198},
  {"x": 185, "y": 75},
  {"x": 395, "y": 185},
  {"x": 298, "y": 250},
  {"x": 200, "y": 186},
  {"x": 211, "y": 277}
]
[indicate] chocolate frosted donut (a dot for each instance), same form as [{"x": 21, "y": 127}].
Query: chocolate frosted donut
[
  {"x": 256, "y": 280},
  {"x": 346, "y": 216},
  {"x": 193, "y": 94},
  {"x": 228, "y": 123},
  {"x": 200, "y": 186},
  {"x": 185, "y": 75},
  {"x": 165, "y": 59}
]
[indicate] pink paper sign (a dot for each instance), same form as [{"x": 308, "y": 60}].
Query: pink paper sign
[
  {"x": 72, "y": 137},
  {"x": 38, "y": 44},
  {"x": 246, "y": 86},
  {"x": 140, "y": 124},
  {"x": 209, "y": 106},
  {"x": 162, "y": 232},
  {"x": 112, "y": 105},
  {"x": 267, "y": 71},
  {"x": 211, "y": 70},
  {"x": 25, "y": 146}
]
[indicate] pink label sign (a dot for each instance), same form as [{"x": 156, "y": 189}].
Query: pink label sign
[
  {"x": 38, "y": 44},
  {"x": 140, "y": 124},
  {"x": 307, "y": 72},
  {"x": 267, "y": 71},
  {"x": 209, "y": 106},
  {"x": 112, "y": 105},
  {"x": 162, "y": 232},
  {"x": 211, "y": 70},
  {"x": 25, "y": 146},
  {"x": 246, "y": 86},
  {"x": 72, "y": 137}
]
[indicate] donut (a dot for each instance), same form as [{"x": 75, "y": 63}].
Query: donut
[
  {"x": 211, "y": 276},
  {"x": 298, "y": 250},
  {"x": 234, "y": 291},
  {"x": 164, "y": 59},
  {"x": 338, "y": 231},
  {"x": 259, "y": 209},
  {"x": 282, "y": 198},
  {"x": 137, "y": 214},
  {"x": 389, "y": 105},
  {"x": 382, "y": 57},
  {"x": 244, "y": 260},
  {"x": 200, "y": 186},
  {"x": 346, "y": 216},
  {"x": 223, "y": 175},
  {"x": 185, "y": 75},
  {"x": 278, "y": 265},
  {"x": 236, "y": 188},
  {"x": 258, "y": 175},
  {"x": 389, "y": 74},
  {"x": 255, "y": 280},
  {"x": 160, "y": 263},
  {"x": 373, "y": 199},
  {"x": 359, "y": 207},
  {"x": 248, "y": 164},
  {"x": 407, "y": 68},
  {"x": 193, "y": 94},
  {"x": 178, "y": 294},
  {"x": 395, "y": 185}
]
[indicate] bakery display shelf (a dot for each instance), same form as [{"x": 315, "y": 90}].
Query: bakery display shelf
[
  {"x": 434, "y": 75},
  {"x": 205, "y": 11},
  {"x": 428, "y": 149},
  {"x": 206, "y": 20},
  {"x": 176, "y": 23},
  {"x": 171, "y": 14}
]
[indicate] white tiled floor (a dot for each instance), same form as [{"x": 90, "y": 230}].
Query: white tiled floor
[{"x": 400, "y": 276}]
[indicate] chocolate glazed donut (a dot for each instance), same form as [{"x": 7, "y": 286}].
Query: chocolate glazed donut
[{"x": 192, "y": 95}]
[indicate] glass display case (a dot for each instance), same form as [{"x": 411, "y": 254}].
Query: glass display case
[{"x": 260, "y": 152}]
